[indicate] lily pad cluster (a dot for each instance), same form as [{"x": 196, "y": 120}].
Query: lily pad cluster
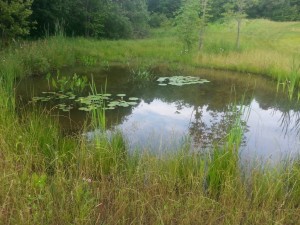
[
  {"x": 68, "y": 101},
  {"x": 106, "y": 101},
  {"x": 180, "y": 80}
]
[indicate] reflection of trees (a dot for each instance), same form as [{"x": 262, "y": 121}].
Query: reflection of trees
[
  {"x": 207, "y": 133},
  {"x": 290, "y": 121},
  {"x": 198, "y": 128},
  {"x": 213, "y": 97}
]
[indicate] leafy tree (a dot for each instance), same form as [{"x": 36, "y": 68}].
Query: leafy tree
[
  {"x": 166, "y": 7},
  {"x": 187, "y": 21},
  {"x": 91, "y": 18},
  {"x": 236, "y": 9},
  {"x": 157, "y": 19},
  {"x": 137, "y": 13},
  {"x": 281, "y": 10},
  {"x": 116, "y": 24},
  {"x": 191, "y": 19},
  {"x": 217, "y": 9},
  {"x": 14, "y": 21},
  {"x": 204, "y": 8}
]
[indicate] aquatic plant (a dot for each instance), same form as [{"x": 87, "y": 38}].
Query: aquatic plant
[
  {"x": 141, "y": 76},
  {"x": 105, "y": 64},
  {"x": 88, "y": 60},
  {"x": 75, "y": 84},
  {"x": 180, "y": 80},
  {"x": 291, "y": 81},
  {"x": 68, "y": 101},
  {"x": 106, "y": 101}
]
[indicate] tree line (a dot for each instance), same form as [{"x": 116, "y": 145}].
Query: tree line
[{"x": 115, "y": 19}]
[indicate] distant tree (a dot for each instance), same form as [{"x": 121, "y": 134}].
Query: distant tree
[
  {"x": 14, "y": 21},
  {"x": 192, "y": 18},
  {"x": 217, "y": 9},
  {"x": 280, "y": 10},
  {"x": 187, "y": 23},
  {"x": 138, "y": 15},
  {"x": 236, "y": 9},
  {"x": 166, "y": 7},
  {"x": 91, "y": 18},
  {"x": 204, "y": 9}
]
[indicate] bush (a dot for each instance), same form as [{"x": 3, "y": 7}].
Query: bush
[{"x": 157, "y": 19}]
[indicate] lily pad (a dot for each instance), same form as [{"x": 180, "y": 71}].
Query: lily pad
[
  {"x": 133, "y": 99},
  {"x": 84, "y": 109},
  {"x": 180, "y": 80},
  {"x": 132, "y": 103},
  {"x": 162, "y": 79}
]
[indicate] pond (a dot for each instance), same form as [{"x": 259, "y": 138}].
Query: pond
[{"x": 164, "y": 117}]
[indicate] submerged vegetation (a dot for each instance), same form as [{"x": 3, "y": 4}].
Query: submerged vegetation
[{"x": 51, "y": 178}]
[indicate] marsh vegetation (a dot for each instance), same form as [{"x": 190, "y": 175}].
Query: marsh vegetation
[{"x": 151, "y": 130}]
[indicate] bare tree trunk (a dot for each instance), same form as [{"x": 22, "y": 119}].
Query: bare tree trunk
[
  {"x": 201, "y": 38},
  {"x": 239, "y": 22},
  {"x": 203, "y": 23}
]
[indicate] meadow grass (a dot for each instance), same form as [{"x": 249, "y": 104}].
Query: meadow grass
[{"x": 50, "y": 178}]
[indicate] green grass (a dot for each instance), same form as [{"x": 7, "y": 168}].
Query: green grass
[{"x": 50, "y": 178}]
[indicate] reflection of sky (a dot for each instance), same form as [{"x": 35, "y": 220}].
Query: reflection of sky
[
  {"x": 266, "y": 139},
  {"x": 160, "y": 126},
  {"x": 157, "y": 125}
]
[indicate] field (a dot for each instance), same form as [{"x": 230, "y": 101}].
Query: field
[{"x": 50, "y": 178}]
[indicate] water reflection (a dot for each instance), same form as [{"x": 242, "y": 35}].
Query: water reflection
[{"x": 166, "y": 116}]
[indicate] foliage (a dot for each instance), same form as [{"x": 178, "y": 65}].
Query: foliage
[
  {"x": 157, "y": 19},
  {"x": 91, "y": 18},
  {"x": 187, "y": 21},
  {"x": 75, "y": 84},
  {"x": 236, "y": 9},
  {"x": 14, "y": 21},
  {"x": 141, "y": 76},
  {"x": 276, "y": 10},
  {"x": 166, "y": 7}
]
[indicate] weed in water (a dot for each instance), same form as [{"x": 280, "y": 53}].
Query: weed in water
[{"x": 75, "y": 84}]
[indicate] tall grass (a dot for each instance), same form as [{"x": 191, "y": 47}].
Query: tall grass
[{"x": 50, "y": 178}]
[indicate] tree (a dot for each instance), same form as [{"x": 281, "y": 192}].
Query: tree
[
  {"x": 187, "y": 21},
  {"x": 91, "y": 18},
  {"x": 236, "y": 9},
  {"x": 204, "y": 6},
  {"x": 166, "y": 7},
  {"x": 137, "y": 13},
  {"x": 217, "y": 9},
  {"x": 14, "y": 17},
  {"x": 280, "y": 10},
  {"x": 192, "y": 17}
]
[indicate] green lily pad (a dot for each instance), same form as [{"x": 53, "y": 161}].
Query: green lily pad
[
  {"x": 132, "y": 103},
  {"x": 180, "y": 80},
  {"x": 121, "y": 95},
  {"x": 84, "y": 109},
  {"x": 162, "y": 79},
  {"x": 133, "y": 99},
  {"x": 48, "y": 92},
  {"x": 124, "y": 104}
]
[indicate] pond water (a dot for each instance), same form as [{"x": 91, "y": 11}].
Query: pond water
[{"x": 166, "y": 116}]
